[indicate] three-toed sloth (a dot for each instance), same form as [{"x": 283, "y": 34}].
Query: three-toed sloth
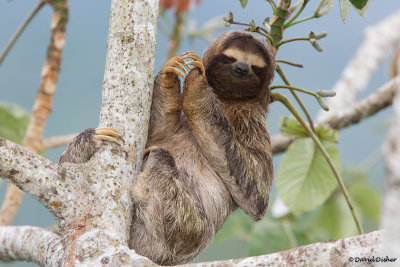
[{"x": 208, "y": 149}]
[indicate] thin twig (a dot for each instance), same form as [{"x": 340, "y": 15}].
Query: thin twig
[
  {"x": 19, "y": 31},
  {"x": 43, "y": 103},
  {"x": 293, "y": 40},
  {"x": 378, "y": 40},
  {"x": 300, "y": 21},
  {"x": 288, "y": 24},
  {"x": 353, "y": 114},
  {"x": 289, "y": 63},
  {"x": 298, "y": 99},
  {"x": 293, "y": 88}
]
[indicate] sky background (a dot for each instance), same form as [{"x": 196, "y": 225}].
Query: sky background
[{"x": 78, "y": 96}]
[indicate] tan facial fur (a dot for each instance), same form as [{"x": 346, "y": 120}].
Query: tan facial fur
[{"x": 245, "y": 57}]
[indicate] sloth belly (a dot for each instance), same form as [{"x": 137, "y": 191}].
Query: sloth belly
[{"x": 180, "y": 202}]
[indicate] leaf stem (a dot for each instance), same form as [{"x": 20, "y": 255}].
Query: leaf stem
[
  {"x": 19, "y": 31},
  {"x": 289, "y": 63},
  {"x": 273, "y": 5},
  {"x": 286, "y": 102},
  {"x": 302, "y": 106},
  {"x": 293, "y": 40},
  {"x": 288, "y": 24},
  {"x": 300, "y": 21},
  {"x": 293, "y": 88}
]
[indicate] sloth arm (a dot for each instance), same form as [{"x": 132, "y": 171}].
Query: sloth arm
[
  {"x": 165, "y": 111},
  {"x": 247, "y": 178}
]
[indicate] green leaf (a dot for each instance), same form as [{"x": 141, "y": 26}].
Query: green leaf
[
  {"x": 359, "y": 4},
  {"x": 243, "y": 3},
  {"x": 362, "y": 11},
  {"x": 335, "y": 218},
  {"x": 291, "y": 126},
  {"x": 365, "y": 196},
  {"x": 304, "y": 179},
  {"x": 327, "y": 133},
  {"x": 344, "y": 9},
  {"x": 13, "y": 122}
]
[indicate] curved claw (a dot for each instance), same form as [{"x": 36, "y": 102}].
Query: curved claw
[
  {"x": 150, "y": 148},
  {"x": 198, "y": 65},
  {"x": 175, "y": 65},
  {"x": 173, "y": 70},
  {"x": 192, "y": 55},
  {"x": 107, "y": 134},
  {"x": 180, "y": 67},
  {"x": 197, "y": 61}
]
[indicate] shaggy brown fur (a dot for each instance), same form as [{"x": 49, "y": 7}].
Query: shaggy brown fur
[{"x": 212, "y": 151}]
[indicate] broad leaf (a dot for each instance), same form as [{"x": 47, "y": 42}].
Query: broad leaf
[
  {"x": 13, "y": 122},
  {"x": 291, "y": 126},
  {"x": 304, "y": 179}
]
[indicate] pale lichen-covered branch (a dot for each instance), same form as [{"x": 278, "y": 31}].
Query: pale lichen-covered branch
[
  {"x": 45, "y": 248},
  {"x": 333, "y": 253},
  {"x": 382, "y": 98},
  {"x": 128, "y": 78},
  {"x": 390, "y": 221},
  {"x": 30, "y": 243},
  {"x": 378, "y": 41},
  {"x": 369, "y": 106},
  {"x": 29, "y": 171}
]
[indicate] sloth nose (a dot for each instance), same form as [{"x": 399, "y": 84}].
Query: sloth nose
[{"x": 241, "y": 69}]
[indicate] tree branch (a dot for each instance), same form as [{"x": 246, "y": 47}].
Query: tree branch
[
  {"x": 335, "y": 253},
  {"x": 378, "y": 40},
  {"x": 380, "y": 99},
  {"x": 32, "y": 173},
  {"x": 391, "y": 202},
  {"x": 353, "y": 114},
  {"x": 30, "y": 243},
  {"x": 128, "y": 78}
]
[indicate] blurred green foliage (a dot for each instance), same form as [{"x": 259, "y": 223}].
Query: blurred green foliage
[
  {"x": 330, "y": 221},
  {"x": 13, "y": 122}
]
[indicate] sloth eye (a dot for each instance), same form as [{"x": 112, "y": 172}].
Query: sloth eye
[
  {"x": 257, "y": 70},
  {"x": 227, "y": 60}
]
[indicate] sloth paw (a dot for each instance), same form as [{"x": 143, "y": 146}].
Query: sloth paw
[
  {"x": 107, "y": 134},
  {"x": 181, "y": 67}
]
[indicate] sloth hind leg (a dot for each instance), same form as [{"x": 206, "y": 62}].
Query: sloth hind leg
[
  {"x": 169, "y": 224},
  {"x": 83, "y": 146}
]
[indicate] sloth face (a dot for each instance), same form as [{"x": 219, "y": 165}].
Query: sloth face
[{"x": 239, "y": 66}]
